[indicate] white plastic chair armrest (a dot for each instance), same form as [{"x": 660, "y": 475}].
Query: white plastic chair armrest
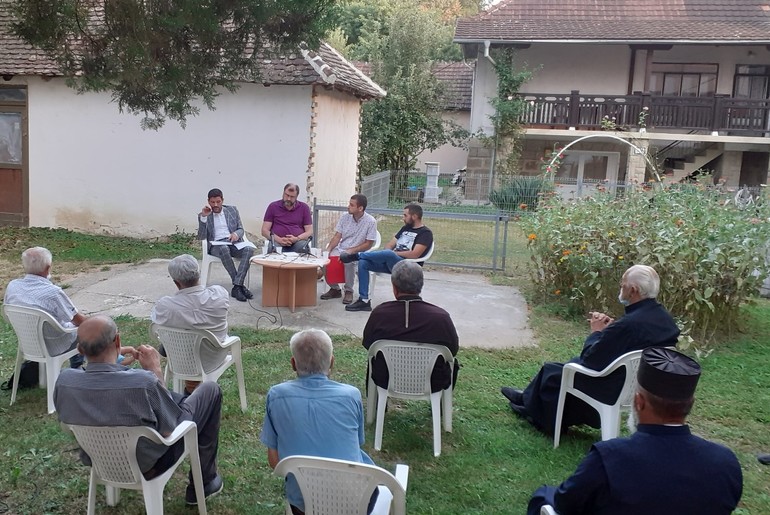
[
  {"x": 402, "y": 475},
  {"x": 231, "y": 340},
  {"x": 179, "y": 431},
  {"x": 548, "y": 510},
  {"x": 574, "y": 367}
]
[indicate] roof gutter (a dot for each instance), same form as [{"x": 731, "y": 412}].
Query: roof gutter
[{"x": 731, "y": 42}]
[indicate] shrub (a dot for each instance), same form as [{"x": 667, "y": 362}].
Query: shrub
[
  {"x": 710, "y": 255},
  {"x": 521, "y": 192}
]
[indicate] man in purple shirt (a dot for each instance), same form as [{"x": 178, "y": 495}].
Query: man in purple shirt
[{"x": 288, "y": 222}]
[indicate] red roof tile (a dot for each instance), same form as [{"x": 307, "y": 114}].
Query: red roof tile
[
  {"x": 325, "y": 66},
  {"x": 745, "y": 21},
  {"x": 457, "y": 78}
]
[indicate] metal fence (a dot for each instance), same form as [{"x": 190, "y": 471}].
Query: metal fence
[
  {"x": 462, "y": 240},
  {"x": 476, "y": 194},
  {"x": 456, "y": 189}
]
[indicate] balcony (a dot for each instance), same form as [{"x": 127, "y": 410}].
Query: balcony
[{"x": 726, "y": 115}]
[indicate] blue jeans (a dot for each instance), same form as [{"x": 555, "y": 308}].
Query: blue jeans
[{"x": 379, "y": 261}]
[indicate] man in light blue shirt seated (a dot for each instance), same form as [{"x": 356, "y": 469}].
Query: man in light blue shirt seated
[{"x": 313, "y": 415}]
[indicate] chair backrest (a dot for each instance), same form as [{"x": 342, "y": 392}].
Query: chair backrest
[
  {"x": 410, "y": 365},
  {"x": 183, "y": 347},
  {"x": 377, "y": 241},
  {"x": 630, "y": 361},
  {"x": 28, "y": 325},
  {"x": 113, "y": 451},
  {"x": 339, "y": 487}
]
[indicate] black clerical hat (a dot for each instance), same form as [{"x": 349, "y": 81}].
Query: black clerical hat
[{"x": 668, "y": 373}]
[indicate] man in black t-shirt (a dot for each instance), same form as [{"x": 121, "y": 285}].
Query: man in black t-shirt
[{"x": 412, "y": 241}]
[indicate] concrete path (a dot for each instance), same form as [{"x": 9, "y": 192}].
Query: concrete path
[{"x": 485, "y": 315}]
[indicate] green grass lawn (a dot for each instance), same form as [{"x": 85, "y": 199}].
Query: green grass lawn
[{"x": 490, "y": 464}]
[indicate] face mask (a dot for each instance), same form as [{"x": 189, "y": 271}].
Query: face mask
[{"x": 621, "y": 299}]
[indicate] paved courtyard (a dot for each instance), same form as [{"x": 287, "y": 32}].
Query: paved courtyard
[{"x": 485, "y": 315}]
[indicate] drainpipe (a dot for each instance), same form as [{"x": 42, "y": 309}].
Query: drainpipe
[{"x": 487, "y": 44}]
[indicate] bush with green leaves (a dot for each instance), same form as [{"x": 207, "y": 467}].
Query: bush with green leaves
[
  {"x": 521, "y": 192},
  {"x": 710, "y": 255}
]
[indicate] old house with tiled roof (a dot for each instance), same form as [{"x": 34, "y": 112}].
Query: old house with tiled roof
[
  {"x": 686, "y": 80},
  {"x": 457, "y": 88},
  {"x": 74, "y": 161}
]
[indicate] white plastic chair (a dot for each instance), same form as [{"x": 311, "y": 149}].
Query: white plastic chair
[
  {"x": 28, "y": 324},
  {"x": 609, "y": 414},
  {"x": 547, "y": 510},
  {"x": 183, "y": 352},
  {"x": 340, "y": 487},
  {"x": 410, "y": 365},
  {"x": 113, "y": 462},
  {"x": 207, "y": 260},
  {"x": 373, "y": 275}
]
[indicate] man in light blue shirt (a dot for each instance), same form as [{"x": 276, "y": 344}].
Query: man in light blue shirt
[{"x": 313, "y": 415}]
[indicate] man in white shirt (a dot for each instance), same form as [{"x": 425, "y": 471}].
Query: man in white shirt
[
  {"x": 194, "y": 306},
  {"x": 222, "y": 224},
  {"x": 35, "y": 290},
  {"x": 356, "y": 231}
]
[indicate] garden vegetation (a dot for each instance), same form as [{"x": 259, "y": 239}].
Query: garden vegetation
[{"x": 710, "y": 254}]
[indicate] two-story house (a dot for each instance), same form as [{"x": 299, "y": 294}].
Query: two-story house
[{"x": 686, "y": 81}]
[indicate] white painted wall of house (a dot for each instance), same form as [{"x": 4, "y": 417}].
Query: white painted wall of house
[
  {"x": 336, "y": 146},
  {"x": 561, "y": 68},
  {"x": 448, "y": 157},
  {"x": 93, "y": 169}
]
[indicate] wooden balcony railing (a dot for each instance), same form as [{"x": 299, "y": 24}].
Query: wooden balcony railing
[{"x": 730, "y": 116}]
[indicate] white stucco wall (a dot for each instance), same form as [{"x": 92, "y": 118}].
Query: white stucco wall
[
  {"x": 448, "y": 157},
  {"x": 333, "y": 173},
  {"x": 94, "y": 169},
  {"x": 597, "y": 69}
]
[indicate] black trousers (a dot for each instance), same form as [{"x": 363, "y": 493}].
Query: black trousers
[{"x": 204, "y": 407}]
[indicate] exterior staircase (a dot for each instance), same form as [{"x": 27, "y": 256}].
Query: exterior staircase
[{"x": 684, "y": 158}]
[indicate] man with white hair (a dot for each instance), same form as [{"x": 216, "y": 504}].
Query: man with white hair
[
  {"x": 646, "y": 323},
  {"x": 313, "y": 415},
  {"x": 194, "y": 306},
  {"x": 35, "y": 290}
]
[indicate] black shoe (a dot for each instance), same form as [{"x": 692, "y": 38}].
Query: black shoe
[
  {"x": 246, "y": 292},
  {"x": 359, "y": 305},
  {"x": 238, "y": 294},
  {"x": 349, "y": 258},
  {"x": 209, "y": 490},
  {"x": 764, "y": 459},
  {"x": 522, "y": 412},
  {"x": 77, "y": 361},
  {"x": 513, "y": 395}
]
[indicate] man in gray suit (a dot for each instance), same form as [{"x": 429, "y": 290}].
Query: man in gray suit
[{"x": 222, "y": 224}]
